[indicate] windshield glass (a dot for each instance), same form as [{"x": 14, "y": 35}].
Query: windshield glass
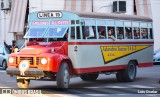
[
  {"x": 56, "y": 32},
  {"x": 36, "y": 32},
  {"x": 47, "y": 34}
]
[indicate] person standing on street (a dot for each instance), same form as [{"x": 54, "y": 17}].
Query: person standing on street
[{"x": 12, "y": 48}]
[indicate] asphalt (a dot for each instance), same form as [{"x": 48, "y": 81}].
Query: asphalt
[{"x": 106, "y": 85}]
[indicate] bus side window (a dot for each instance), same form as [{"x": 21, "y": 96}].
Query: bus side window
[
  {"x": 144, "y": 33},
  {"x": 120, "y": 33},
  {"x": 136, "y": 33},
  {"x": 128, "y": 33},
  {"x": 102, "y": 32},
  {"x": 78, "y": 32},
  {"x": 111, "y": 33},
  {"x": 72, "y": 33},
  {"x": 89, "y": 32},
  {"x": 85, "y": 31},
  {"x": 150, "y": 33}
]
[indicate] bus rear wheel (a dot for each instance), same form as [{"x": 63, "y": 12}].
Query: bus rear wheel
[
  {"x": 23, "y": 83},
  {"x": 119, "y": 76},
  {"x": 128, "y": 74},
  {"x": 89, "y": 77},
  {"x": 63, "y": 76}
]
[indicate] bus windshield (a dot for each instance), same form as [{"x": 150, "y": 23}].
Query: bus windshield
[
  {"x": 56, "y": 32},
  {"x": 52, "y": 32},
  {"x": 35, "y": 32}
]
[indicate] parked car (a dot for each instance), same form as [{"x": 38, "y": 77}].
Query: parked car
[
  {"x": 156, "y": 57},
  {"x": 4, "y": 53}
]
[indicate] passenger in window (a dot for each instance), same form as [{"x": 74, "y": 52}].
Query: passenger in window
[
  {"x": 144, "y": 35},
  {"x": 119, "y": 34},
  {"x": 110, "y": 34},
  {"x": 128, "y": 35},
  {"x": 101, "y": 36},
  {"x": 136, "y": 35},
  {"x": 102, "y": 31}
]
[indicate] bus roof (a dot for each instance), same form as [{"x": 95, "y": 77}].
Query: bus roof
[
  {"x": 106, "y": 15},
  {"x": 113, "y": 16}
]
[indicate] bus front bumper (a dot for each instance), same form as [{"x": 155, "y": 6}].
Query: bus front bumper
[{"x": 31, "y": 72}]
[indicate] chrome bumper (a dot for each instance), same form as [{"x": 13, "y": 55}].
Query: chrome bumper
[{"x": 31, "y": 72}]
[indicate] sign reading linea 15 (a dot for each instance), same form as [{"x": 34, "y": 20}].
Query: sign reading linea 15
[{"x": 49, "y": 14}]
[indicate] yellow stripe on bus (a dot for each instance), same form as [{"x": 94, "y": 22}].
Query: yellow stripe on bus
[{"x": 111, "y": 53}]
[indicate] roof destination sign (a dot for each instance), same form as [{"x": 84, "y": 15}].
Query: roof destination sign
[{"x": 56, "y": 14}]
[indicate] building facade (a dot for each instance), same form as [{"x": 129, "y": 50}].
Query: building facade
[
  {"x": 156, "y": 24},
  {"x": 4, "y": 25},
  {"x": 13, "y": 21}
]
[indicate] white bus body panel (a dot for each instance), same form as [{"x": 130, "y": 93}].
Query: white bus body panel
[{"x": 89, "y": 56}]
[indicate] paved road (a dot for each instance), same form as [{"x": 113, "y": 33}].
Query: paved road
[{"x": 106, "y": 85}]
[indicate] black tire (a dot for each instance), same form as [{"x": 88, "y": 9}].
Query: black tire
[
  {"x": 63, "y": 77},
  {"x": 4, "y": 65},
  {"x": 23, "y": 83},
  {"x": 119, "y": 76},
  {"x": 89, "y": 77},
  {"x": 128, "y": 74}
]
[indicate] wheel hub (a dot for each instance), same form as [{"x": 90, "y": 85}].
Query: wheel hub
[{"x": 132, "y": 71}]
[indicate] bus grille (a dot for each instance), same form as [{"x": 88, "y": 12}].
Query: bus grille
[
  {"x": 38, "y": 60},
  {"x": 30, "y": 59}
]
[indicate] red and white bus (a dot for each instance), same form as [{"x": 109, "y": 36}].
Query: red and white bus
[{"x": 62, "y": 44}]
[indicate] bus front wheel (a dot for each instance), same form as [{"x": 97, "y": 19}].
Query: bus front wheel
[
  {"x": 23, "y": 83},
  {"x": 128, "y": 74},
  {"x": 89, "y": 77},
  {"x": 63, "y": 76}
]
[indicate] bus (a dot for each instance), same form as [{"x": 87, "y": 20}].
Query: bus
[{"x": 64, "y": 44}]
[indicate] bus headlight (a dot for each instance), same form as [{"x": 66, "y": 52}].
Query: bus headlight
[
  {"x": 43, "y": 61},
  {"x": 11, "y": 60}
]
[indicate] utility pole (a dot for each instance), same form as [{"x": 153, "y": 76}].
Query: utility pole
[{"x": 92, "y": 5}]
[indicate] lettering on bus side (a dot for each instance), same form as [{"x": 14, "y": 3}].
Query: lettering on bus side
[
  {"x": 112, "y": 53},
  {"x": 48, "y": 23}
]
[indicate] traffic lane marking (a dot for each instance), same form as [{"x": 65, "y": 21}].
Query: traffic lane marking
[
  {"x": 3, "y": 71},
  {"x": 98, "y": 95},
  {"x": 140, "y": 86},
  {"x": 116, "y": 87}
]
